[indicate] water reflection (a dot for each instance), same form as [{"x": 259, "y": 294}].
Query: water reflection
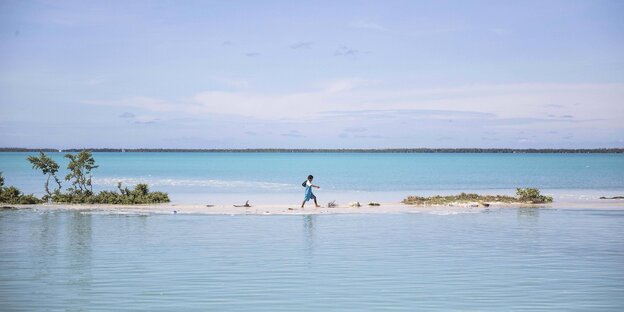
[
  {"x": 48, "y": 235},
  {"x": 308, "y": 232},
  {"x": 528, "y": 215},
  {"x": 528, "y": 226},
  {"x": 80, "y": 256},
  {"x": 46, "y": 229}
]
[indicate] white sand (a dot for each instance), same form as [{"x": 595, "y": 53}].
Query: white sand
[{"x": 295, "y": 209}]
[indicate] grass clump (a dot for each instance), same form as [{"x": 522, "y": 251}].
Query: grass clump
[{"x": 524, "y": 196}]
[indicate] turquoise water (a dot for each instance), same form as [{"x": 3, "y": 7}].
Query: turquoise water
[
  {"x": 202, "y": 174},
  {"x": 498, "y": 260}
]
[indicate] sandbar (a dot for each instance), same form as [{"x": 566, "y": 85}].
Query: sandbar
[{"x": 295, "y": 209}]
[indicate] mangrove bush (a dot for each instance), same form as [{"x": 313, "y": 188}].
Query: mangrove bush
[
  {"x": 80, "y": 177},
  {"x": 12, "y": 195},
  {"x": 532, "y": 195},
  {"x": 523, "y": 196},
  {"x": 49, "y": 168}
]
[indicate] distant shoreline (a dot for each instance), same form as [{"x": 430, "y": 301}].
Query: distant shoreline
[{"x": 332, "y": 150}]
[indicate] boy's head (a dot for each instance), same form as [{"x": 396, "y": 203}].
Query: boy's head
[{"x": 310, "y": 177}]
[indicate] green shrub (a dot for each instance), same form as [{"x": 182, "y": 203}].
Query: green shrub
[
  {"x": 81, "y": 191},
  {"x": 29, "y": 199},
  {"x": 525, "y": 196},
  {"x": 12, "y": 195},
  {"x": 80, "y": 166},
  {"x": 158, "y": 197},
  {"x": 532, "y": 195},
  {"x": 141, "y": 189},
  {"x": 48, "y": 167},
  {"x": 461, "y": 198},
  {"x": 139, "y": 195}
]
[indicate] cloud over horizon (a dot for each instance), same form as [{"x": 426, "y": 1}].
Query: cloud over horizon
[{"x": 412, "y": 74}]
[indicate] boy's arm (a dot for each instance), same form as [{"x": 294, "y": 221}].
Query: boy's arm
[{"x": 316, "y": 186}]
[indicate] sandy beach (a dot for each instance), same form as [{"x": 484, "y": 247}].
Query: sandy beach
[{"x": 295, "y": 209}]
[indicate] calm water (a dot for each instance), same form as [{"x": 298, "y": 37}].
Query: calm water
[
  {"x": 500, "y": 260},
  {"x": 203, "y": 174}
]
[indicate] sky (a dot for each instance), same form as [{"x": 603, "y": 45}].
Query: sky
[{"x": 311, "y": 74}]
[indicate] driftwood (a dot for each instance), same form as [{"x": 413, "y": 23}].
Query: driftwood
[{"x": 245, "y": 205}]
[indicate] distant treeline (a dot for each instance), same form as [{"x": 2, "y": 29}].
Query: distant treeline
[{"x": 331, "y": 150}]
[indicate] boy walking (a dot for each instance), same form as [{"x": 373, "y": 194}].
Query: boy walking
[{"x": 308, "y": 191}]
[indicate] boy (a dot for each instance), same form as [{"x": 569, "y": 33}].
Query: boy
[{"x": 308, "y": 192}]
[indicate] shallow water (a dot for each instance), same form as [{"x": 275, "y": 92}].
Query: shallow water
[
  {"x": 275, "y": 178},
  {"x": 282, "y": 173},
  {"x": 502, "y": 259}
]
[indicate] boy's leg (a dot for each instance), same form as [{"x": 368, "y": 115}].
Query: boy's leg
[
  {"x": 315, "y": 203},
  {"x": 303, "y": 203}
]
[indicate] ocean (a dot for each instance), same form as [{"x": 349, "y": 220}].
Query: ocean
[
  {"x": 276, "y": 177},
  {"x": 496, "y": 259}
]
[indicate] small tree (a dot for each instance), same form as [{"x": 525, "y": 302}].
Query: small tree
[
  {"x": 80, "y": 166},
  {"x": 48, "y": 167},
  {"x": 532, "y": 195}
]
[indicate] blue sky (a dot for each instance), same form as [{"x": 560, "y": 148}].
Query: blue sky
[{"x": 322, "y": 74}]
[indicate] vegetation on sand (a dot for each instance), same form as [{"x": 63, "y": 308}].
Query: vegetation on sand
[
  {"x": 532, "y": 196},
  {"x": 524, "y": 196},
  {"x": 12, "y": 195},
  {"x": 80, "y": 168},
  {"x": 48, "y": 167},
  {"x": 139, "y": 195}
]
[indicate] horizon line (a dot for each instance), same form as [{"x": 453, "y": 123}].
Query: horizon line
[{"x": 614, "y": 150}]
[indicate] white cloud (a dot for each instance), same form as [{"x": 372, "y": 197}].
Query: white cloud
[
  {"x": 598, "y": 102},
  {"x": 346, "y": 84},
  {"x": 143, "y": 102},
  {"x": 360, "y": 24}
]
